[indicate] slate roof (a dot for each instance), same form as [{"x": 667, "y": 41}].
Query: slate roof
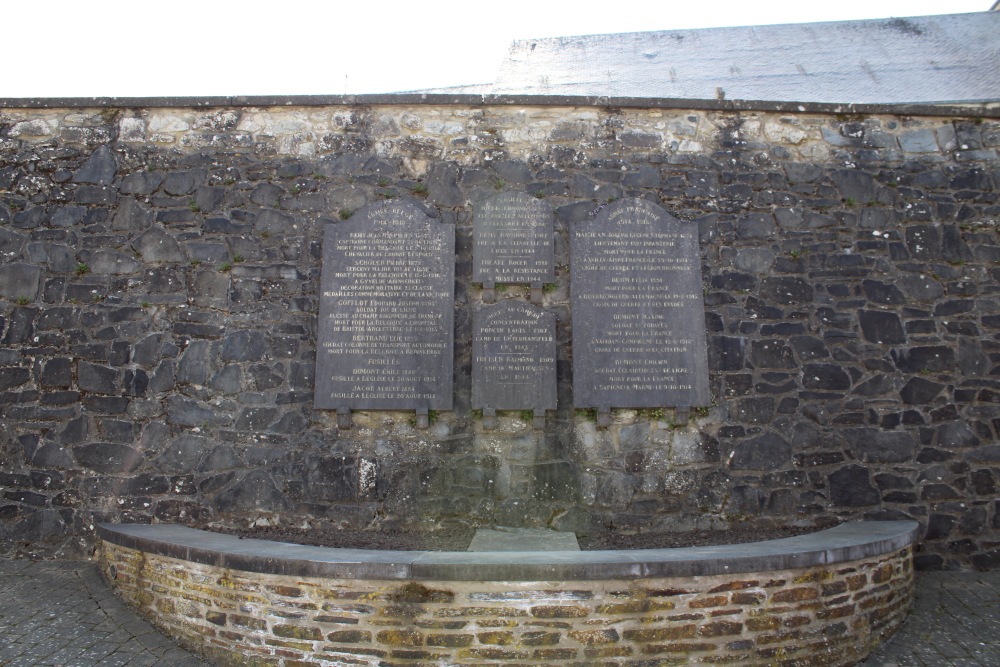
[{"x": 948, "y": 59}]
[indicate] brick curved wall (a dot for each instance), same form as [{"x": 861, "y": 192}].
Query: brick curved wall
[
  {"x": 158, "y": 301},
  {"x": 823, "y": 615}
]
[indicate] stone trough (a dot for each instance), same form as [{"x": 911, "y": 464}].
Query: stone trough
[{"x": 826, "y": 598}]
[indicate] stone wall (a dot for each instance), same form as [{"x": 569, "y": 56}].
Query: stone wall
[
  {"x": 827, "y": 615},
  {"x": 159, "y": 299}
]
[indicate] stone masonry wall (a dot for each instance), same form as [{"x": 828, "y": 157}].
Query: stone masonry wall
[
  {"x": 158, "y": 300},
  {"x": 816, "y": 616}
]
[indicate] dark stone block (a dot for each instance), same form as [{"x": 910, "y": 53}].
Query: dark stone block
[
  {"x": 851, "y": 487},
  {"x": 988, "y": 560},
  {"x": 181, "y": 182},
  {"x": 771, "y": 354},
  {"x": 108, "y": 457},
  {"x": 256, "y": 491},
  {"x": 96, "y": 194},
  {"x": 924, "y": 358},
  {"x": 881, "y": 327},
  {"x": 57, "y": 372},
  {"x": 983, "y": 482},
  {"x": 140, "y": 183},
  {"x": 207, "y": 198},
  {"x": 244, "y": 346},
  {"x": 954, "y": 307},
  {"x": 726, "y": 353},
  {"x": 880, "y": 384},
  {"x": 939, "y": 526},
  {"x": 921, "y": 287},
  {"x": 106, "y": 405},
  {"x": 765, "y": 452},
  {"x": 882, "y": 293},
  {"x": 825, "y": 377},
  {"x": 758, "y": 410},
  {"x": 734, "y": 281},
  {"x": 972, "y": 361},
  {"x": 920, "y": 391},
  {"x": 929, "y": 455},
  {"x": 255, "y": 419},
  {"x": 187, "y": 412},
  {"x": 786, "y": 290},
  {"x": 854, "y": 184},
  {"x": 97, "y": 379},
  {"x": 956, "y": 434},
  {"x": 806, "y": 347},
  {"x": 196, "y": 363},
  {"x": 99, "y": 168},
  {"x": 183, "y": 453},
  {"x": 11, "y": 377},
  {"x": 875, "y": 446}
]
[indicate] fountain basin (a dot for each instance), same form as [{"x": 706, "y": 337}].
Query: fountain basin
[{"x": 826, "y": 598}]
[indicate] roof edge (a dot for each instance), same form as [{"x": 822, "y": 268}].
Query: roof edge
[{"x": 977, "y": 108}]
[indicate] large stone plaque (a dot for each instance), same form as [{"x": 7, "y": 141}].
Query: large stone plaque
[
  {"x": 638, "y": 312},
  {"x": 513, "y": 358},
  {"x": 386, "y": 332},
  {"x": 512, "y": 241}
]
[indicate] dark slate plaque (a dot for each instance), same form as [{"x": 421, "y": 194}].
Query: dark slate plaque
[
  {"x": 386, "y": 333},
  {"x": 638, "y": 313},
  {"x": 514, "y": 357},
  {"x": 512, "y": 240}
]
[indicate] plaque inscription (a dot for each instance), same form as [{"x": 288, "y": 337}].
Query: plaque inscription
[
  {"x": 514, "y": 358},
  {"x": 386, "y": 332},
  {"x": 512, "y": 242},
  {"x": 638, "y": 313}
]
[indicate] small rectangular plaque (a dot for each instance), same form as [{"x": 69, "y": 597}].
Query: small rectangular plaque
[
  {"x": 512, "y": 240},
  {"x": 638, "y": 313},
  {"x": 513, "y": 357},
  {"x": 386, "y": 317}
]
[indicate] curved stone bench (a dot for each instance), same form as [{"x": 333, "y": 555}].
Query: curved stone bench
[{"x": 823, "y": 598}]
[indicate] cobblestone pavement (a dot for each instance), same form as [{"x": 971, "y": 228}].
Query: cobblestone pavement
[
  {"x": 955, "y": 623},
  {"x": 62, "y": 614}
]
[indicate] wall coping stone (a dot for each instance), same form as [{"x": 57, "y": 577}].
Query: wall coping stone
[
  {"x": 980, "y": 108},
  {"x": 846, "y": 542}
]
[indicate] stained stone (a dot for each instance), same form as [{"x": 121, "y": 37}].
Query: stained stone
[
  {"x": 639, "y": 324},
  {"x": 386, "y": 318}
]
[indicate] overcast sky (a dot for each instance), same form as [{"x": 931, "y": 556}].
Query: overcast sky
[{"x": 218, "y": 47}]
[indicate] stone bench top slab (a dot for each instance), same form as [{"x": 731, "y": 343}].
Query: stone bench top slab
[
  {"x": 846, "y": 542},
  {"x": 523, "y": 539}
]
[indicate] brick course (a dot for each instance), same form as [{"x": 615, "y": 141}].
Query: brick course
[{"x": 493, "y": 623}]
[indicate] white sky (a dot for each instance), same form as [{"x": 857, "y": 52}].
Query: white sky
[{"x": 219, "y": 47}]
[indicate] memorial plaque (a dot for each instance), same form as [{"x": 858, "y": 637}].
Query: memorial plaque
[
  {"x": 512, "y": 242},
  {"x": 638, "y": 313},
  {"x": 387, "y": 293},
  {"x": 514, "y": 358}
]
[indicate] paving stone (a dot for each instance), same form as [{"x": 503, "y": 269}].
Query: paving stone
[{"x": 61, "y": 613}]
